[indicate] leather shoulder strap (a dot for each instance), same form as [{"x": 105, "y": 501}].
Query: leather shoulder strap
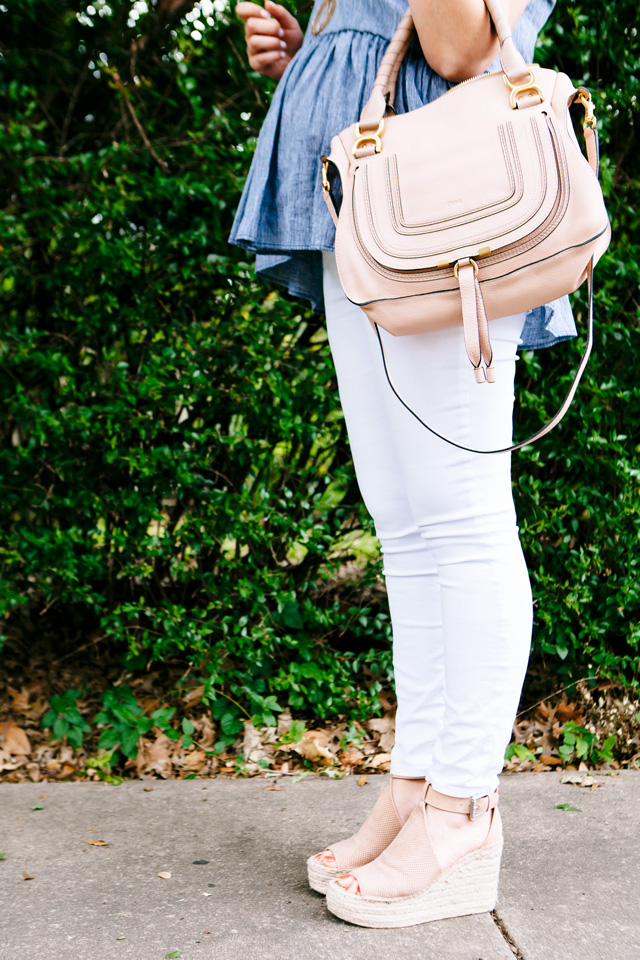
[{"x": 384, "y": 85}]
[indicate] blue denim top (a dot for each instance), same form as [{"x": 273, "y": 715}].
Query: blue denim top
[{"x": 282, "y": 216}]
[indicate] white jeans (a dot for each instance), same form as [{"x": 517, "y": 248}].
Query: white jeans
[{"x": 457, "y": 583}]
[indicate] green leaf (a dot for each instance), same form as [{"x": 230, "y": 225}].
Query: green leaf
[
  {"x": 60, "y": 728},
  {"x": 295, "y": 732},
  {"x": 48, "y": 719},
  {"x": 37, "y": 806},
  {"x": 109, "y": 738},
  {"x": 230, "y": 723},
  {"x": 129, "y": 743}
]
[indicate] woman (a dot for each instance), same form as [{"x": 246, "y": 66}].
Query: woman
[{"x": 457, "y": 583}]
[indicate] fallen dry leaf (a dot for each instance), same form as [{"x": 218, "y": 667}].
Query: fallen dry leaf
[
  {"x": 165, "y": 874},
  {"x": 380, "y": 759},
  {"x": 19, "y": 699},
  {"x": 27, "y": 876},
  {"x": 284, "y": 721},
  {"x": 154, "y": 756},
  {"x": 578, "y": 780},
  {"x": 252, "y": 747},
  {"x": 362, "y": 781},
  {"x": 97, "y": 843},
  {"x": 313, "y": 746},
  {"x": 353, "y": 756},
  {"x": 205, "y": 733},
  {"x": 274, "y": 787},
  {"x": 16, "y": 742},
  {"x": 147, "y": 789},
  {"x": 544, "y": 758},
  {"x": 194, "y": 694},
  {"x": 194, "y": 761},
  {"x": 43, "y": 796},
  {"x": 568, "y": 711},
  {"x": 381, "y": 724}
]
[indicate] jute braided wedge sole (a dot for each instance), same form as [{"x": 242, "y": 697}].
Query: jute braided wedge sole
[
  {"x": 407, "y": 884},
  {"x": 320, "y": 875},
  {"x": 469, "y": 886},
  {"x": 378, "y": 830}
]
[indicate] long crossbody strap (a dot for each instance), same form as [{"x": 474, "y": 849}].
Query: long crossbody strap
[{"x": 555, "y": 419}]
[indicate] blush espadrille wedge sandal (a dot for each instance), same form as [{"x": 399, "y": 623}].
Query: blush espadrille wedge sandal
[
  {"x": 410, "y": 885},
  {"x": 381, "y": 826}
]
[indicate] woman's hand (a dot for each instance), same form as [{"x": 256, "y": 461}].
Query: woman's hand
[{"x": 273, "y": 37}]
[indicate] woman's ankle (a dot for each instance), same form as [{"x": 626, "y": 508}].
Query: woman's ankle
[{"x": 407, "y": 793}]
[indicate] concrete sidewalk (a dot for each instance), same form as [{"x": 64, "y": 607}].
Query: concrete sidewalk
[{"x": 236, "y": 851}]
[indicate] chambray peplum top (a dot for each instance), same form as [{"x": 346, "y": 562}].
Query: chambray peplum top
[{"x": 282, "y": 216}]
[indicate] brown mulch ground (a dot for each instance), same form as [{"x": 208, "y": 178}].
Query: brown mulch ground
[{"x": 31, "y": 677}]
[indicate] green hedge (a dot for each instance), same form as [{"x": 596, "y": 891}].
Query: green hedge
[{"x": 174, "y": 466}]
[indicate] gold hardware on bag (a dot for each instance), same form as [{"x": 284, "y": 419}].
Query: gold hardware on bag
[
  {"x": 325, "y": 174},
  {"x": 456, "y": 268},
  {"x": 585, "y": 99},
  {"x": 328, "y": 8},
  {"x": 515, "y": 90},
  {"x": 484, "y": 251},
  {"x": 362, "y": 138}
]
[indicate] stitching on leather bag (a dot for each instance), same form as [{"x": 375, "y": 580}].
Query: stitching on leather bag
[
  {"x": 470, "y": 241},
  {"x": 508, "y": 273},
  {"x": 395, "y": 199},
  {"x": 432, "y": 274},
  {"x": 514, "y": 223}
]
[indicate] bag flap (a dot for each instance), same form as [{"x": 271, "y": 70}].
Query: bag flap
[{"x": 456, "y": 179}]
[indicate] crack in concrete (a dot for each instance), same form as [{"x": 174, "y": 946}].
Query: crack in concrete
[{"x": 507, "y": 937}]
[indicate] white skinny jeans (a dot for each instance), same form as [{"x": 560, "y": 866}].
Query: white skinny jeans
[{"x": 457, "y": 583}]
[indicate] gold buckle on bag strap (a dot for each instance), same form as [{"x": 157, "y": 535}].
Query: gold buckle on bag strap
[
  {"x": 585, "y": 99},
  {"x": 362, "y": 138},
  {"x": 517, "y": 90}
]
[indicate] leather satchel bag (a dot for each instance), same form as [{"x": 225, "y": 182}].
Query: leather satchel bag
[{"x": 475, "y": 206}]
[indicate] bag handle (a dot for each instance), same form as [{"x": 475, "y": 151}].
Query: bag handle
[
  {"x": 550, "y": 424},
  {"x": 384, "y": 85}
]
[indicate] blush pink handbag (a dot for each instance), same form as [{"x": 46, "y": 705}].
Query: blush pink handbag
[{"x": 476, "y": 206}]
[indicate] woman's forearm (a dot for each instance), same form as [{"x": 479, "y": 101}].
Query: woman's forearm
[{"x": 457, "y": 36}]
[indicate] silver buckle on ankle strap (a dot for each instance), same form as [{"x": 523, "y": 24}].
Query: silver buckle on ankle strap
[{"x": 475, "y": 810}]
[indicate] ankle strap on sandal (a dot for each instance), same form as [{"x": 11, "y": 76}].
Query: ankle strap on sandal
[{"x": 474, "y": 807}]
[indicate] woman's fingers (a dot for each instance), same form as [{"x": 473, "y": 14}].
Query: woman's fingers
[
  {"x": 268, "y": 59},
  {"x": 286, "y": 20},
  {"x": 246, "y": 10},
  {"x": 258, "y": 43},
  {"x": 257, "y": 27},
  {"x": 272, "y": 34}
]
